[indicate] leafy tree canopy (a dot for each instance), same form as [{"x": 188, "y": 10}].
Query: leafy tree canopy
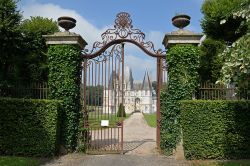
[
  {"x": 10, "y": 39},
  {"x": 39, "y": 26},
  {"x": 237, "y": 60},
  {"x": 36, "y": 59},
  {"x": 22, "y": 47},
  {"x": 210, "y": 62},
  {"x": 215, "y": 12},
  {"x": 237, "y": 65}
]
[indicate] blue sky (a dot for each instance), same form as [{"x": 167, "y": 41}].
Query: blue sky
[{"x": 93, "y": 17}]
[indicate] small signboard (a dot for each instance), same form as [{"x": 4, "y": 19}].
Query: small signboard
[{"x": 104, "y": 123}]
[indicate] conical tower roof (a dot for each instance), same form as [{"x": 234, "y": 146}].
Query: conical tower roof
[
  {"x": 112, "y": 80},
  {"x": 146, "y": 84},
  {"x": 129, "y": 81}
]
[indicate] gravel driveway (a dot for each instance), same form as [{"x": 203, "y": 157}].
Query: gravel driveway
[
  {"x": 139, "y": 148},
  {"x": 139, "y": 138}
]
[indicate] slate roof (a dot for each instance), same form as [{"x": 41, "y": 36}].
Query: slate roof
[{"x": 146, "y": 84}]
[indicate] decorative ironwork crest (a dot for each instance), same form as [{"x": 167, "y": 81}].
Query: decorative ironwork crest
[
  {"x": 123, "y": 31},
  {"x": 123, "y": 28}
]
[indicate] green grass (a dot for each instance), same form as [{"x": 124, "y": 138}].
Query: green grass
[
  {"x": 18, "y": 161},
  {"x": 221, "y": 163},
  {"x": 96, "y": 115},
  {"x": 151, "y": 119},
  {"x": 95, "y": 120}
]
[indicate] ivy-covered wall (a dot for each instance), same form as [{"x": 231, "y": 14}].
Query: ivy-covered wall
[
  {"x": 64, "y": 81},
  {"x": 183, "y": 63},
  {"x": 29, "y": 126}
]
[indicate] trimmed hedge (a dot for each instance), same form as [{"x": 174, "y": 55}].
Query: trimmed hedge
[
  {"x": 216, "y": 129},
  {"x": 29, "y": 126}
]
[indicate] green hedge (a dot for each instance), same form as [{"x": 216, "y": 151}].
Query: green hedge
[
  {"x": 216, "y": 129},
  {"x": 29, "y": 127}
]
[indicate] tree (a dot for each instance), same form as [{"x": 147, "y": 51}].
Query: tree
[
  {"x": 215, "y": 12},
  {"x": 22, "y": 46},
  {"x": 237, "y": 60},
  {"x": 10, "y": 40},
  {"x": 121, "y": 111},
  {"x": 154, "y": 85},
  {"x": 237, "y": 65},
  {"x": 210, "y": 62},
  {"x": 35, "y": 60},
  {"x": 94, "y": 95}
]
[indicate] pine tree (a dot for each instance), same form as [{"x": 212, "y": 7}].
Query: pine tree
[{"x": 121, "y": 111}]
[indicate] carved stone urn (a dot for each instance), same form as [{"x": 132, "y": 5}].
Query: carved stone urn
[
  {"x": 66, "y": 22},
  {"x": 181, "y": 20}
]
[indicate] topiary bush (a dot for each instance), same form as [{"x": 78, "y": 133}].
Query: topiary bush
[
  {"x": 64, "y": 81},
  {"x": 29, "y": 126},
  {"x": 216, "y": 129},
  {"x": 183, "y": 63},
  {"x": 121, "y": 111}
]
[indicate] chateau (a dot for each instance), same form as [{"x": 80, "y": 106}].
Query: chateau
[{"x": 137, "y": 96}]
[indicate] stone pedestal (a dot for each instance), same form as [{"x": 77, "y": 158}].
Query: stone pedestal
[
  {"x": 181, "y": 36},
  {"x": 68, "y": 38}
]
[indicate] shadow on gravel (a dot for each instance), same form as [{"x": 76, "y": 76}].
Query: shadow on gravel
[{"x": 131, "y": 145}]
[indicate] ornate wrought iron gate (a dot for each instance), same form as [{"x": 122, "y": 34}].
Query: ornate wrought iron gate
[{"x": 103, "y": 85}]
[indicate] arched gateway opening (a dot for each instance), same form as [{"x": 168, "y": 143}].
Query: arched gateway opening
[{"x": 105, "y": 87}]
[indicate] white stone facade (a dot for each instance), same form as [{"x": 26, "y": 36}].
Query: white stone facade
[{"x": 137, "y": 97}]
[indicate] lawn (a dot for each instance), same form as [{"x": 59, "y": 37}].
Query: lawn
[
  {"x": 97, "y": 115},
  {"x": 18, "y": 161},
  {"x": 95, "y": 120},
  {"x": 151, "y": 119},
  {"x": 222, "y": 163}
]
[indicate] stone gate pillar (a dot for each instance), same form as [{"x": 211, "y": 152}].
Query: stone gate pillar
[
  {"x": 180, "y": 86},
  {"x": 181, "y": 36},
  {"x": 64, "y": 62}
]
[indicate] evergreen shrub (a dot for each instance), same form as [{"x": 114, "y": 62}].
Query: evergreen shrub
[
  {"x": 121, "y": 111},
  {"x": 29, "y": 127},
  {"x": 216, "y": 129}
]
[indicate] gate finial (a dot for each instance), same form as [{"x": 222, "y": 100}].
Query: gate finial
[{"x": 123, "y": 20}]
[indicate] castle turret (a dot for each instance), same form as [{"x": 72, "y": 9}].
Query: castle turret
[
  {"x": 146, "y": 84},
  {"x": 128, "y": 79}
]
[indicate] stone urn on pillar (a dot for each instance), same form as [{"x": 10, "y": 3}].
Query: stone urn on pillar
[
  {"x": 181, "y": 20},
  {"x": 181, "y": 36},
  {"x": 66, "y": 22},
  {"x": 66, "y": 37}
]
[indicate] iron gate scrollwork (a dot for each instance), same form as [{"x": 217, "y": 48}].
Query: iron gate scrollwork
[{"x": 103, "y": 84}]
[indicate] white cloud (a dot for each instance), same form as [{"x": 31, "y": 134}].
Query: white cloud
[
  {"x": 139, "y": 65},
  {"x": 91, "y": 33},
  {"x": 83, "y": 27}
]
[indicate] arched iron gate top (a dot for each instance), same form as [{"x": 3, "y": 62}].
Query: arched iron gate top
[{"x": 123, "y": 32}]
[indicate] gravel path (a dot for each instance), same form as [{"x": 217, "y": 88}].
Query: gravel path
[
  {"x": 139, "y": 148},
  {"x": 115, "y": 160},
  {"x": 139, "y": 138}
]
